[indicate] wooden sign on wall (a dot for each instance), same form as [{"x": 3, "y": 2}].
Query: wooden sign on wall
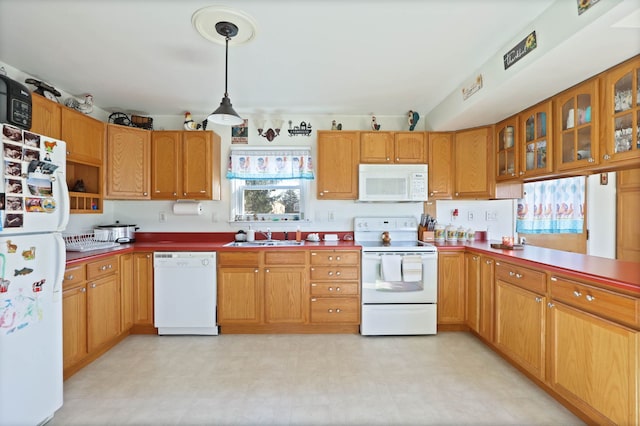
[{"x": 520, "y": 50}]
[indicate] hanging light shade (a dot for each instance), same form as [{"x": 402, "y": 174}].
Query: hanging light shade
[{"x": 225, "y": 114}]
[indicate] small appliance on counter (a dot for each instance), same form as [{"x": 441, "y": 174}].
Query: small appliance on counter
[{"x": 120, "y": 233}]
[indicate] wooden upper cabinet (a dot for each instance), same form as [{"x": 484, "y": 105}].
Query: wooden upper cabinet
[
  {"x": 197, "y": 170},
  {"x": 128, "y": 163},
  {"x": 536, "y": 141},
  {"x": 337, "y": 165},
  {"x": 621, "y": 114},
  {"x": 474, "y": 176},
  {"x": 185, "y": 165},
  {"x": 376, "y": 147},
  {"x": 84, "y": 137},
  {"x": 440, "y": 163},
  {"x": 166, "y": 160},
  {"x": 46, "y": 116},
  {"x": 506, "y": 149},
  {"x": 410, "y": 147},
  {"x": 576, "y": 127},
  {"x": 393, "y": 147}
]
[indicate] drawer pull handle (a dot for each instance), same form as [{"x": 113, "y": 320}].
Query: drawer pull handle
[
  {"x": 577, "y": 293},
  {"x": 338, "y": 311},
  {"x": 554, "y": 279},
  {"x": 255, "y": 270},
  {"x": 590, "y": 298},
  {"x": 519, "y": 276},
  {"x": 330, "y": 257},
  {"x": 337, "y": 288},
  {"x": 330, "y": 288},
  {"x": 475, "y": 257},
  {"x": 330, "y": 273},
  {"x": 69, "y": 277},
  {"x": 511, "y": 273},
  {"x": 330, "y": 311},
  {"x": 488, "y": 262},
  {"x": 338, "y": 273},
  {"x": 338, "y": 258},
  {"x": 314, "y": 285}
]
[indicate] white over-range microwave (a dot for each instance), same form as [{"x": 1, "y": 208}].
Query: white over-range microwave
[{"x": 392, "y": 182}]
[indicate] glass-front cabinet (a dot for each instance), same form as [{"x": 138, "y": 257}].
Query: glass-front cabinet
[
  {"x": 622, "y": 112},
  {"x": 536, "y": 149},
  {"x": 506, "y": 146},
  {"x": 577, "y": 127}
]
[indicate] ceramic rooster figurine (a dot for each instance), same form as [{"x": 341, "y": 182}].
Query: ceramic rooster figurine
[
  {"x": 84, "y": 106},
  {"x": 374, "y": 123},
  {"x": 413, "y": 119},
  {"x": 189, "y": 124}
]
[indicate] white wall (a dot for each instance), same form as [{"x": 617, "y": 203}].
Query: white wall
[
  {"x": 601, "y": 220},
  {"x": 494, "y": 216}
]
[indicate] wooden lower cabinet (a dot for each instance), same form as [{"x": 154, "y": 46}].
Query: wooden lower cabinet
[
  {"x": 74, "y": 325},
  {"x": 594, "y": 365},
  {"x": 487, "y": 297},
  {"x": 451, "y": 291},
  {"x": 472, "y": 276},
  {"x": 126, "y": 292},
  {"x": 91, "y": 312},
  {"x": 143, "y": 293},
  {"x": 289, "y": 291},
  {"x": 520, "y": 326}
]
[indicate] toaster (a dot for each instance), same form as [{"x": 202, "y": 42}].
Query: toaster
[{"x": 15, "y": 103}]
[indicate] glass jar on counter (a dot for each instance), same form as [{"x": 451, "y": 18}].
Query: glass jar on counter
[
  {"x": 439, "y": 233},
  {"x": 451, "y": 234}
]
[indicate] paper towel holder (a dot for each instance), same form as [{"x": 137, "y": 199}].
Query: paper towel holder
[{"x": 187, "y": 207}]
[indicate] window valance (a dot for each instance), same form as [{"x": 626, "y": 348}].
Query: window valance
[{"x": 270, "y": 164}]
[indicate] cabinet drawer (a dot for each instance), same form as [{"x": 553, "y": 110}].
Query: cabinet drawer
[
  {"x": 522, "y": 277},
  {"x": 328, "y": 257},
  {"x": 334, "y": 289},
  {"x": 335, "y": 310},
  {"x": 289, "y": 257},
  {"x": 73, "y": 275},
  {"x": 334, "y": 273},
  {"x": 102, "y": 267},
  {"x": 616, "y": 306},
  {"x": 240, "y": 258}
]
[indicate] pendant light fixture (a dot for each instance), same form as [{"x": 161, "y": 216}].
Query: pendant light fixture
[{"x": 225, "y": 114}]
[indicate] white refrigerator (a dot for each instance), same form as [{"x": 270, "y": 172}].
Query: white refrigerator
[{"x": 34, "y": 210}]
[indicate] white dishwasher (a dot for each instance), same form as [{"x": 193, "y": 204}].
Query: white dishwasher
[{"x": 184, "y": 292}]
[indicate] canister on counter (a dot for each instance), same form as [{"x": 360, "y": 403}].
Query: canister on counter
[
  {"x": 439, "y": 233},
  {"x": 451, "y": 234}
]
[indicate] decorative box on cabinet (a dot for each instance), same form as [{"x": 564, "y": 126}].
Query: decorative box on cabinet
[
  {"x": 337, "y": 165},
  {"x": 185, "y": 165},
  {"x": 621, "y": 132},
  {"x": 536, "y": 141},
  {"x": 576, "y": 127},
  {"x": 506, "y": 149},
  {"x": 335, "y": 297},
  {"x": 441, "y": 164},
  {"x": 46, "y": 116},
  {"x": 128, "y": 163}
]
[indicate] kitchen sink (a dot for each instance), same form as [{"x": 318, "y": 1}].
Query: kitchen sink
[{"x": 265, "y": 243}]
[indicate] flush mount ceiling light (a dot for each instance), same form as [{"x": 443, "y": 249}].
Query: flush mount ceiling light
[{"x": 205, "y": 21}]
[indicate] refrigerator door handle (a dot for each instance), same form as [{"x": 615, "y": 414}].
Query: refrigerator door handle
[
  {"x": 64, "y": 202},
  {"x": 57, "y": 284}
]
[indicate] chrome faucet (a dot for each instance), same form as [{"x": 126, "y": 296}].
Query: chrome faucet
[{"x": 267, "y": 234}]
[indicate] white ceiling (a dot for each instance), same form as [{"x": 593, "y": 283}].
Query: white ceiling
[{"x": 349, "y": 57}]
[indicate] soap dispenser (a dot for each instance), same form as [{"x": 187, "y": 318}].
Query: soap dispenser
[{"x": 251, "y": 234}]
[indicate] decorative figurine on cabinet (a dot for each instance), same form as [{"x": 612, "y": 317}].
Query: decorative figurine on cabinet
[
  {"x": 374, "y": 123},
  {"x": 85, "y": 105},
  {"x": 413, "y": 120},
  {"x": 189, "y": 124},
  {"x": 335, "y": 126}
]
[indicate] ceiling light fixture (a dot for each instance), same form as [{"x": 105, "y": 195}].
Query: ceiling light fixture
[{"x": 225, "y": 114}]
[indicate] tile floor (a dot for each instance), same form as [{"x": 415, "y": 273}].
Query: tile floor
[{"x": 448, "y": 379}]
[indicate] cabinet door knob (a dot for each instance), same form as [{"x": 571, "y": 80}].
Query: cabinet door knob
[
  {"x": 175, "y": 193},
  {"x": 330, "y": 310},
  {"x": 330, "y": 288},
  {"x": 606, "y": 157},
  {"x": 488, "y": 262},
  {"x": 93, "y": 285},
  {"x": 475, "y": 257},
  {"x": 550, "y": 305},
  {"x": 69, "y": 277},
  {"x": 338, "y": 258},
  {"x": 511, "y": 273},
  {"x": 338, "y": 273},
  {"x": 145, "y": 193},
  {"x": 330, "y": 273},
  {"x": 255, "y": 270},
  {"x": 266, "y": 270},
  {"x": 538, "y": 299},
  {"x": 337, "y": 288},
  {"x": 83, "y": 290},
  {"x": 577, "y": 293},
  {"x": 590, "y": 298},
  {"x": 330, "y": 257},
  {"x": 518, "y": 276},
  {"x": 337, "y": 310}
]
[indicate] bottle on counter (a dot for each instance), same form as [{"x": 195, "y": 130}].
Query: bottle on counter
[
  {"x": 298, "y": 235},
  {"x": 251, "y": 234}
]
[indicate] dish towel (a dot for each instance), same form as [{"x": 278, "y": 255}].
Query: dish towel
[
  {"x": 391, "y": 267},
  {"x": 412, "y": 268}
]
